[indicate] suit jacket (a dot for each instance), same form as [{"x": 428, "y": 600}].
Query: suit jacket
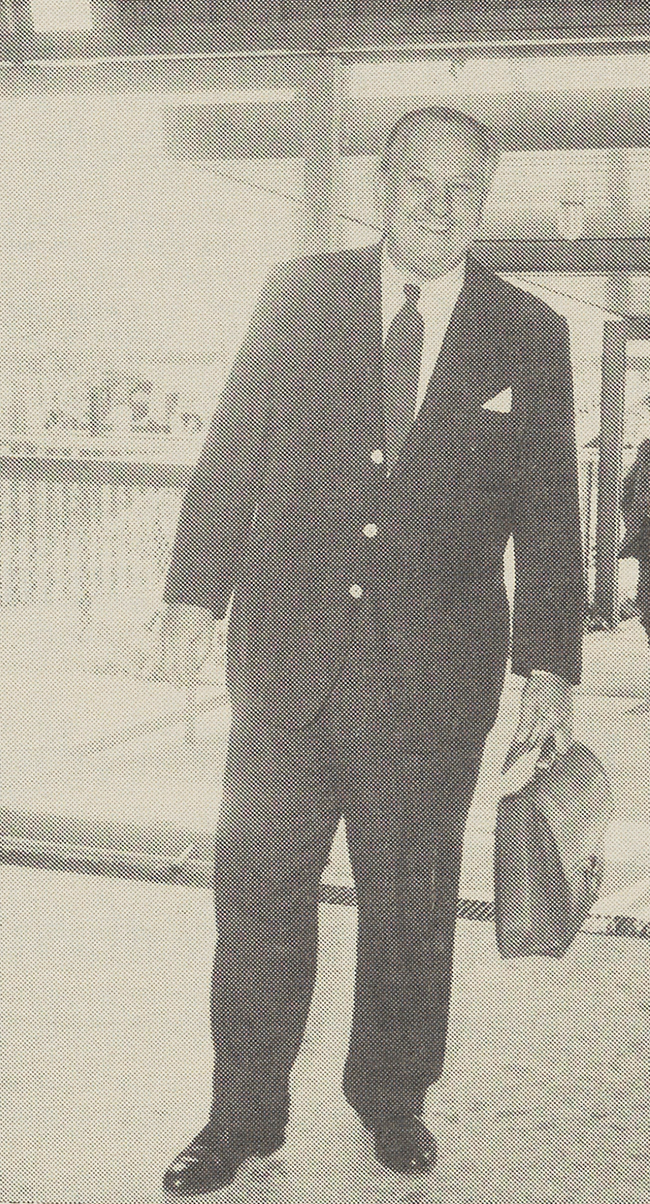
[
  {"x": 635, "y": 504},
  {"x": 286, "y": 482}
]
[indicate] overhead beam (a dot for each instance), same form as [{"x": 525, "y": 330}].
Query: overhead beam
[
  {"x": 599, "y": 117},
  {"x": 600, "y": 256},
  {"x": 184, "y": 75},
  {"x": 16, "y": 30},
  {"x": 556, "y": 121},
  {"x": 340, "y": 27},
  {"x": 637, "y": 326}
]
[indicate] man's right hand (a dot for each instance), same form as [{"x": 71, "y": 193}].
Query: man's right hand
[{"x": 186, "y": 636}]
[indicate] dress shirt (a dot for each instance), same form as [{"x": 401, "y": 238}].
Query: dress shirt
[{"x": 438, "y": 297}]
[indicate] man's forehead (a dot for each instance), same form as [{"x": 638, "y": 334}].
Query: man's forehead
[{"x": 436, "y": 142}]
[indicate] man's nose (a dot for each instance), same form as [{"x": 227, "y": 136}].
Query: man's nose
[{"x": 437, "y": 198}]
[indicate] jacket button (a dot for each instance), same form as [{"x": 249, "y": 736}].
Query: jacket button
[
  {"x": 370, "y": 530},
  {"x": 356, "y": 591},
  {"x": 377, "y": 456}
]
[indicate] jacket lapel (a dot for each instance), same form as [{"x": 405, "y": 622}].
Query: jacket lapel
[
  {"x": 362, "y": 326},
  {"x": 469, "y": 365},
  {"x": 472, "y": 365}
]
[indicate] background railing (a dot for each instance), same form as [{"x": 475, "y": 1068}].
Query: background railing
[
  {"x": 74, "y": 530},
  {"x": 79, "y": 530}
]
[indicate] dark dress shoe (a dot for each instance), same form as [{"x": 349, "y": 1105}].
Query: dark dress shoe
[
  {"x": 405, "y": 1144},
  {"x": 213, "y": 1158}
]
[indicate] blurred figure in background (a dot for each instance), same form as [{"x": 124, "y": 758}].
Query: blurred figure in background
[{"x": 635, "y": 505}]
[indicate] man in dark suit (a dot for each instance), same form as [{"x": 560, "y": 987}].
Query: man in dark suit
[{"x": 394, "y": 415}]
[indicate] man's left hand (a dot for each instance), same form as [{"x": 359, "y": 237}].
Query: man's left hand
[{"x": 546, "y": 710}]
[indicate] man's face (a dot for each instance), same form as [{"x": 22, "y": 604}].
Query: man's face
[{"x": 431, "y": 198}]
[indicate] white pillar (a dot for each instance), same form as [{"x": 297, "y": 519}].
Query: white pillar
[
  {"x": 612, "y": 406},
  {"x": 320, "y": 99}
]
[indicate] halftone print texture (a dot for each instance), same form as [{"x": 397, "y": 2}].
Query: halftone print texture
[
  {"x": 400, "y": 372},
  {"x": 273, "y": 612}
]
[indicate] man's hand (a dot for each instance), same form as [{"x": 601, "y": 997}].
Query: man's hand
[
  {"x": 546, "y": 710},
  {"x": 186, "y": 637}
]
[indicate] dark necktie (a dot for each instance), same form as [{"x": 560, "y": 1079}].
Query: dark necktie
[{"x": 400, "y": 371}]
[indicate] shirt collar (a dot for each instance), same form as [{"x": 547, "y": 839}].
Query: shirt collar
[{"x": 433, "y": 289}]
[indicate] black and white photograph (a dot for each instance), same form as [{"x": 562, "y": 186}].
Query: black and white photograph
[{"x": 324, "y": 602}]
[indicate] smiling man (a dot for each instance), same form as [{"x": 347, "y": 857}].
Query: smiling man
[{"x": 394, "y": 416}]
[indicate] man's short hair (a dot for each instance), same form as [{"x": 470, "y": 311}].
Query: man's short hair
[{"x": 410, "y": 123}]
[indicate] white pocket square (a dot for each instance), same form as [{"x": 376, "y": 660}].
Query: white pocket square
[{"x": 501, "y": 404}]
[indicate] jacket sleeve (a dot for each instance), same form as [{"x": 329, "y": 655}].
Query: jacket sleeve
[
  {"x": 549, "y": 600},
  {"x": 221, "y": 497}
]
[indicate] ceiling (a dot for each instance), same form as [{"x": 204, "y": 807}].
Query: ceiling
[
  {"x": 348, "y": 27},
  {"x": 539, "y": 98}
]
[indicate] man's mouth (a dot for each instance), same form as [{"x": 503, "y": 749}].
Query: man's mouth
[{"x": 429, "y": 226}]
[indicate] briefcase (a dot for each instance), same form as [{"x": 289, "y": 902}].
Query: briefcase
[
  {"x": 637, "y": 542},
  {"x": 549, "y": 854}
]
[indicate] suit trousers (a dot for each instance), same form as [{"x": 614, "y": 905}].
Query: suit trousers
[{"x": 386, "y": 753}]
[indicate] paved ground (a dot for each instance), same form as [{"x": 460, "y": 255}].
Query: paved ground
[
  {"x": 105, "y": 1053},
  {"x": 106, "y": 1061}
]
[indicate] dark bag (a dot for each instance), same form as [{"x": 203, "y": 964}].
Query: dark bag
[
  {"x": 548, "y": 854},
  {"x": 637, "y": 543}
]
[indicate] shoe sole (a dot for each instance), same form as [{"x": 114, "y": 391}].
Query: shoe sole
[{"x": 411, "y": 1171}]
